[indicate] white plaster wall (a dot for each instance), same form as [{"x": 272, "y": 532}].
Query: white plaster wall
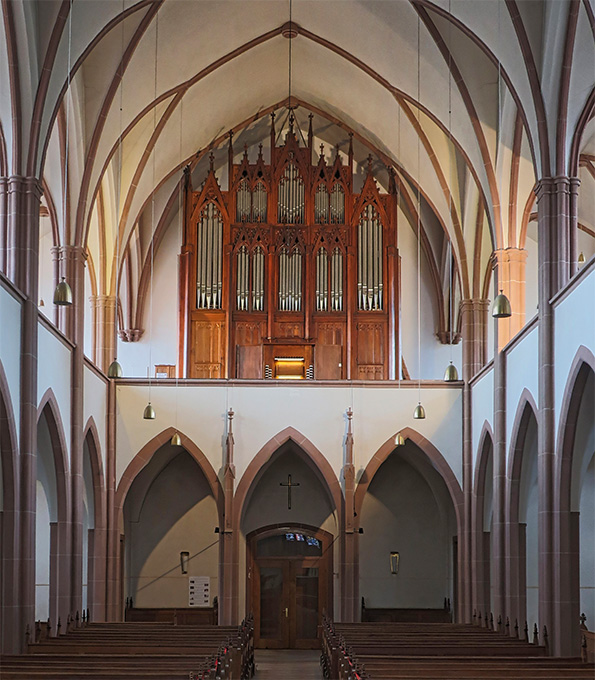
[
  {"x": 10, "y": 348},
  {"x": 159, "y": 342},
  {"x": 262, "y": 411},
  {"x": 521, "y": 372},
  {"x": 482, "y": 398},
  {"x": 54, "y": 370},
  {"x": 574, "y": 326},
  {"x": 95, "y": 405}
]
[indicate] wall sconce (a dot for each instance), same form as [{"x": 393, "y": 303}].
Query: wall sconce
[
  {"x": 394, "y": 563},
  {"x": 184, "y": 559}
]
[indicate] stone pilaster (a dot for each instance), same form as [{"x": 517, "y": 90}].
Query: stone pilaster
[
  {"x": 21, "y": 263},
  {"x": 103, "y": 309},
  {"x": 228, "y": 605},
  {"x": 557, "y": 223},
  {"x": 474, "y": 314},
  {"x": 3, "y": 223},
  {"x": 349, "y": 566}
]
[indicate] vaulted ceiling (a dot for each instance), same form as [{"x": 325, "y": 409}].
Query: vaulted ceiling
[{"x": 470, "y": 101}]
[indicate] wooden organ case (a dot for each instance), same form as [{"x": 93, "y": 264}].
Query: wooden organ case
[{"x": 289, "y": 273}]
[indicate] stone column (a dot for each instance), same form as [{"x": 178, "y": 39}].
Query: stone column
[
  {"x": 228, "y": 604},
  {"x": 474, "y": 314},
  {"x": 498, "y": 566},
  {"x": 510, "y": 265},
  {"x": 3, "y": 223},
  {"x": 104, "y": 330},
  {"x": 21, "y": 259},
  {"x": 71, "y": 265},
  {"x": 114, "y": 603},
  {"x": 556, "y": 219},
  {"x": 349, "y": 572}
]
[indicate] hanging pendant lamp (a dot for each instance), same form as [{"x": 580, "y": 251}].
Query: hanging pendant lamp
[
  {"x": 176, "y": 440},
  {"x": 149, "y": 412},
  {"x": 581, "y": 258},
  {"x": 115, "y": 370},
  {"x": 501, "y": 308},
  {"x": 451, "y": 374},
  {"x": 399, "y": 440},
  {"x": 420, "y": 412},
  {"x": 63, "y": 293}
]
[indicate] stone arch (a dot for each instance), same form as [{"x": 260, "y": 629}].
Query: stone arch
[
  {"x": 453, "y": 494},
  {"x": 526, "y": 408},
  {"x": 60, "y": 539},
  {"x": 567, "y": 575},
  {"x": 434, "y": 456},
  {"x": 146, "y": 453},
  {"x": 3, "y": 154},
  {"x": 8, "y": 546},
  {"x": 91, "y": 434},
  {"x": 480, "y": 542},
  {"x": 96, "y": 540},
  {"x": 582, "y": 365},
  {"x": 313, "y": 456},
  {"x": 48, "y": 406},
  {"x": 516, "y": 530}
]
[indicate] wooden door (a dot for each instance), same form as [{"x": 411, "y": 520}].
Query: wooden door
[{"x": 287, "y": 602}]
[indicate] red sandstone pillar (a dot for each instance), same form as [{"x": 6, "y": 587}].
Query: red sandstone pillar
[
  {"x": 21, "y": 262},
  {"x": 474, "y": 315},
  {"x": 103, "y": 309},
  {"x": 228, "y": 598},
  {"x": 556, "y": 215},
  {"x": 349, "y": 574}
]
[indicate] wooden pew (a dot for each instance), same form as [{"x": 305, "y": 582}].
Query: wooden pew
[
  {"x": 399, "y": 651},
  {"x": 114, "y": 651}
]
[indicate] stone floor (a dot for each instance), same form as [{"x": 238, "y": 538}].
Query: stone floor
[{"x": 287, "y": 664}]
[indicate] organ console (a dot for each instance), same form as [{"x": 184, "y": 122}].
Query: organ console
[{"x": 289, "y": 273}]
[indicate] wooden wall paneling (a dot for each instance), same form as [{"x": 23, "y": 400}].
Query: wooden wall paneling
[{"x": 208, "y": 346}]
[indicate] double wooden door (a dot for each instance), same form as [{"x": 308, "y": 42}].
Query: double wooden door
[{"x": 289, "y": 594}]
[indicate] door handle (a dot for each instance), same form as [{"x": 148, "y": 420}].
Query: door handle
[{"x": 286, "y": 612}]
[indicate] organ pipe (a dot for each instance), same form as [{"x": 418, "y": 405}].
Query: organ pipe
[
  {"x": 369, "y": 265},
  {"x": 210, "y": 261}
]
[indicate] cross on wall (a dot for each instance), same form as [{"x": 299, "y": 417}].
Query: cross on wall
[{"x": 289, "y": 486}]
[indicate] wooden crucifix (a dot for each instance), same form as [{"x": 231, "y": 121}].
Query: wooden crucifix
[{"x": 289, "y": 486}]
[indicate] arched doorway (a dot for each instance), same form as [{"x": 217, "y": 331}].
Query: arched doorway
[
  {"x": 289, "y": 524},
  {"x": 289, "y": 584},
  {"x": 407, "y": 510}
]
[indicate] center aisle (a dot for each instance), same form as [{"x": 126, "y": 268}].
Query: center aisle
[{"x": 287, "y": 664}]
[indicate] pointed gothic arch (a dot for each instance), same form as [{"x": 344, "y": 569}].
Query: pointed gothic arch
[
  {"x": 146, "y": 453},
  {"x": 313, "y": 457},
  {"x": 96, "y": 540},
  {"x": 517, "y": 530},
  {"x": 9, "y": 613},
  {"x": 60, "y": 539},
  {"x": 480, "y": 538},
  {"x": 435, "y": 458},
  {"x": 567, "y": 519}
]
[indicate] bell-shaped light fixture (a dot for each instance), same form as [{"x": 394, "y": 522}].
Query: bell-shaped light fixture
[
  {"x": 501, "y": 308},
  {"x": 114, "y": 370},
  {"x": 149, "y": 412},
  {"x": 451, "y": 374},
  {"x": 176, "y": 440},
  {"x": 63, "y": 293},
  {"x": 420, "y": 412},
  {"x": 581, "y": 258},
  {"x": 399, "y": 440}
]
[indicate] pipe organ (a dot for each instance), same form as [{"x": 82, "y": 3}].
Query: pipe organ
[{"x": 289, "y": 273}]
